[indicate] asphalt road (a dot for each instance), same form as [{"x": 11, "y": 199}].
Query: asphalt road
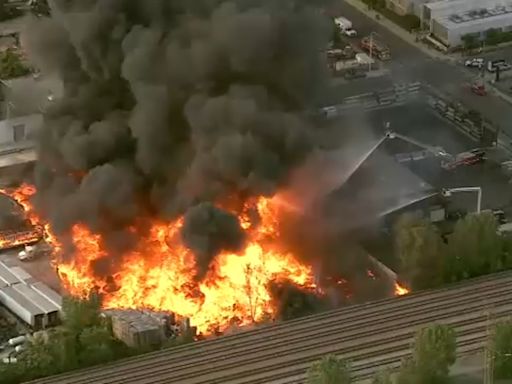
[
  {"x": 411, "y": 64},
  {"x": 418, "y": 122}
]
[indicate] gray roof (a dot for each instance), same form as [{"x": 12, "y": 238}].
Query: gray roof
[
  {"x": 35, "y": 298},
  {"x": 48, "y": 293},
  {"x": 12, "y": 294},
  {"x": 20, "y": 273},
  {"x": 7, "y": 276},
  {"x": 377, "y": 188}
]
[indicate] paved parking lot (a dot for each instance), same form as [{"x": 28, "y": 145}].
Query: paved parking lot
[{"x": 417, "y": 121}]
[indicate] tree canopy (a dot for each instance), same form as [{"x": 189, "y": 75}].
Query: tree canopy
[
  {"x": 421, "y": 252},
  {"x": 434, "y": 352},
  {"x": 11, "y": 65},
  {"x": 382, "y": 378},
  {"x": 501, "y": 349},
  {"x": 329, "y": 370},
  {"x": 427, "y": 260},
  {"x": 475, "y": 248}
]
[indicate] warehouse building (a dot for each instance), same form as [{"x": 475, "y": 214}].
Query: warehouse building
[
  {"x": 448, "y": 21},
  {"x": 31, "y": 301}
]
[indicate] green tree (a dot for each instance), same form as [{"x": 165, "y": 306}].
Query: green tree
[
  {"x": 474, "y": 248},
  {"x": 38, "y": 359},
  {"x": 470, "y": 41},
  {"x": 493, "y": 36},
  {"x": 329, "y": 370},
  {"x": 81, "y": 313},
  {"x": 11, "y": 65},
  {"x": 501, "y": 349},
  {"x": 434, "y": 352},
  {"x": 383, "y": 377},
  {"x": 96, "y": 346},
  {"x": 421, "y": 252}
]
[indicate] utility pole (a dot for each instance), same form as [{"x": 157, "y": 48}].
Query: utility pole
[
  {"x": 488, "y": 355},
  {"x": 371, "y": 51}
]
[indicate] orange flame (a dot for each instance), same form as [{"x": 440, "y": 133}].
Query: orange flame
[
  {"x": 400, "y": 290},
  {"x": 34, "y": 231},
  {"x": 160, "y": 272}
]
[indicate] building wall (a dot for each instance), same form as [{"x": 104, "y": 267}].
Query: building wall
[
  {"x": 19, "y": 132},
  {"x": 435, "y": 16},
  {"x": 400, "y": 7},
  {"x": 479, "y": 28},
  {"x": 403, "y": 7}
]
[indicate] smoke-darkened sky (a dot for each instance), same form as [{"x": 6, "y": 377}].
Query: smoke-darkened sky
[{"x": 170, "y": 105}]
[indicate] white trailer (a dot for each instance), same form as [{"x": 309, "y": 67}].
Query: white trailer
[{"x": 345, "y": 26}]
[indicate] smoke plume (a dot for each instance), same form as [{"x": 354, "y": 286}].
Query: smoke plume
[{"x": 171, "y": 105}]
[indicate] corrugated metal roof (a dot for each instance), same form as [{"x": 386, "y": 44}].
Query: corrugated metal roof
[
  {"x": 20, "y": 273},
  {"x": 12, "y": 294},
  {"x": 48, "y": 293},
  {"x": 7, "y": 276},
  {"x": 35, "y": 298}
]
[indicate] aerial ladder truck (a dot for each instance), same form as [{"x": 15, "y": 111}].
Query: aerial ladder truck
[{"x": 448, "y": 161}]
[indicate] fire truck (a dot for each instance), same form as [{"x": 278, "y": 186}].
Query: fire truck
[
  {"x": 449, "y": 161},
  {"x": 475, "y": 156},
  {"x": 375, "y": 48}
]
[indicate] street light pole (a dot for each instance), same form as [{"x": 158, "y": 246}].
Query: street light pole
[
  {"x": 449, "y": 191},
  {"x": 371, "y": 52}
]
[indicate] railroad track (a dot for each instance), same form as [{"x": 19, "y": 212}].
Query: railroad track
[{"x": 371, "y": 335}]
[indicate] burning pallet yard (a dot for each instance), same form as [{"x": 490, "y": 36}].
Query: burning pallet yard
[{"x": 140, "y": 329}]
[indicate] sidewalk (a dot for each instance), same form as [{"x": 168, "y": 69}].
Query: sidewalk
[{"x": 400, "y": 32}]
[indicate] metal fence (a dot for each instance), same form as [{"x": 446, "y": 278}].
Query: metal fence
[{"x": 399, "y": 94}]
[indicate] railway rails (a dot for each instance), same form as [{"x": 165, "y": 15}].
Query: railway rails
[{"x": 372, "y": 336}]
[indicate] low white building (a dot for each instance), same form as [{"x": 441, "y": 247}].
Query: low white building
[
  {"x": 21, "y": 110},
  {"x": 449, "y": 20}
]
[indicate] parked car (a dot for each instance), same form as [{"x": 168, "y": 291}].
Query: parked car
[
  {"x": 492, "y": 64},
  {"x": 476, "y": 62},
  {"x": 504, "y": 67},
  {"x": 350, "y": 32}
]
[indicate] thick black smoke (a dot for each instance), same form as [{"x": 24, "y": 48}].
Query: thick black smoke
[
  {"x": 170, "y": 105},
  {"x": 208, "y": 230}
]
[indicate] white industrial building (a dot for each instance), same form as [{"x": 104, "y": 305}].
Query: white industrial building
[
  {"x": 33, "y": 302},
  {"x": 449, "y": 20}
]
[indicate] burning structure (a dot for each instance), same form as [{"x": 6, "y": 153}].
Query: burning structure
[
  {"x": 16, "y": 228},
  {"x": 164, "y": 173}
]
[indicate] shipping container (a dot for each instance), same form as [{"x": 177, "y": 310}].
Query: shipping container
[
  {"x": 22, "y": 275},
  {"x": 6, "y": 275},
  {"x": 48, "y": 293},
  {"x": 50, "y": 309},
  {"x": 22, "y": 307}
]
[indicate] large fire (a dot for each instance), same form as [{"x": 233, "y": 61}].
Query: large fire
[{"x": 159, "y": 273}]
